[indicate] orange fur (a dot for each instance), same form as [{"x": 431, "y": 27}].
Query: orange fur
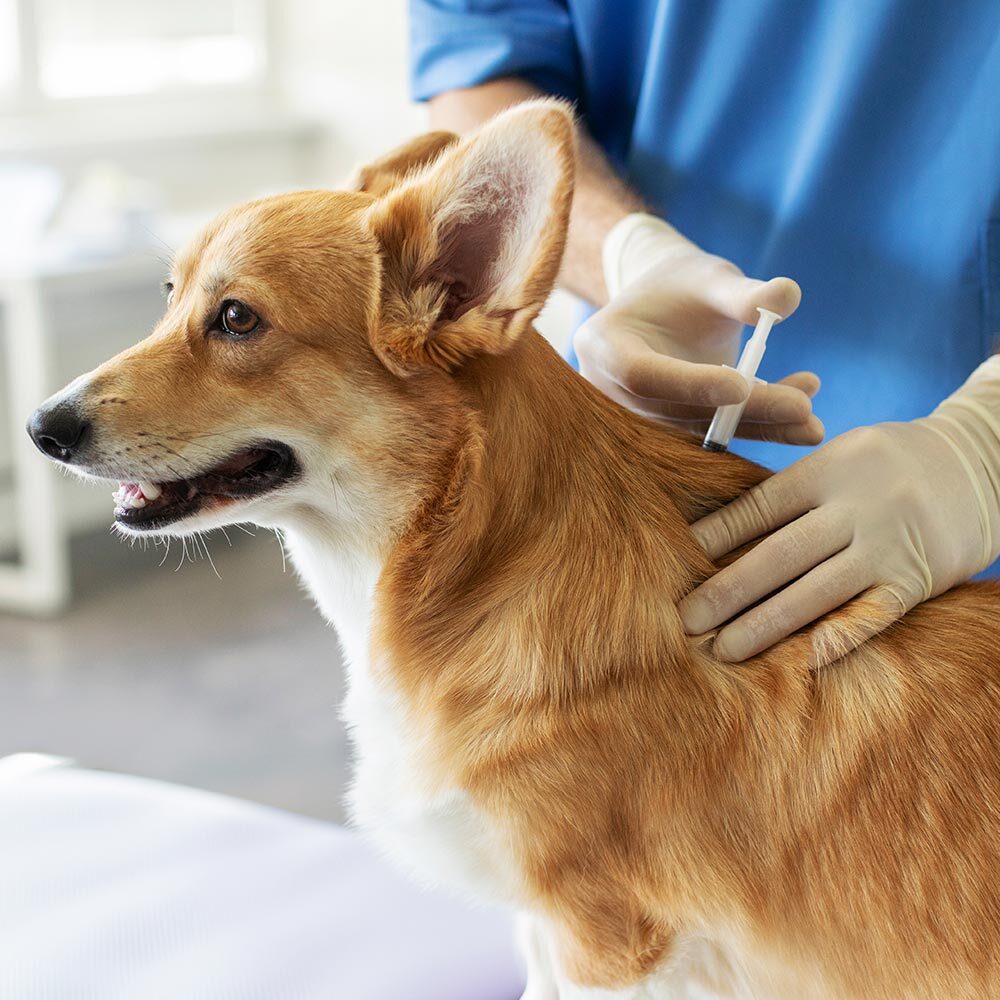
[
  {"x": 844, "y": 823},
  {"x": 842, "y": 828}
]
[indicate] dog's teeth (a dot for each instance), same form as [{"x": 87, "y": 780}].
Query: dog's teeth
[
  {"x": 149, "y": 490},
  {"x": 135, "y": 502}
]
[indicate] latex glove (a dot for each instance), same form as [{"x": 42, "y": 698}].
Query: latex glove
[
  {"x": 675, "y": 316},
  {"x": 895, "y": 512}
]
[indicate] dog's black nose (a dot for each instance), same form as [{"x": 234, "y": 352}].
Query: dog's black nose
[{"x": 59, "y": 431}]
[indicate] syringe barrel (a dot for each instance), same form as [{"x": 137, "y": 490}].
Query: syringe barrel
[
  {"x": 727, "y": 418},
  {"x": 723, "y": 426}
]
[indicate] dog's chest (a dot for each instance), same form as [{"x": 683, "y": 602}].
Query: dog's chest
[{"x": 438, "y": 834}]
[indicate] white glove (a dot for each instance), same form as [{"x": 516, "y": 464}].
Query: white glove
[
  {"x": 895, "y": 512},
  {"x": 675, "y": 316}
]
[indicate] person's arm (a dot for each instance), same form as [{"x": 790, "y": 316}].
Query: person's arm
[
  {"x": 890, "y": 515},
  {"x": 671, "y": 313}
]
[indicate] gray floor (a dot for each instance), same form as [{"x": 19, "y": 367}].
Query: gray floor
[{"x": 230, "y": 684}]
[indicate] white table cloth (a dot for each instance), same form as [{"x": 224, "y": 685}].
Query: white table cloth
[{"x": 122, "y": 888}]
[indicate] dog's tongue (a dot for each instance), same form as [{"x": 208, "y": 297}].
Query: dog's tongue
[{"x": 135, "y": 494}]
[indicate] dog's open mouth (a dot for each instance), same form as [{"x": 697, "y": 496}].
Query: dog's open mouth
[{"x": 247, "y": 474}]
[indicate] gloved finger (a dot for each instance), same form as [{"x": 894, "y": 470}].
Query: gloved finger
[
  {"x": 641, "y": 371},
  {"x": 775, "y": 412},
  {"x": 777, "y": 560},
  {"x": 737, "y": 296},
  {"x": 781, "y": 402},
  {"x": 808, "y": 382},
  {"x": 769, "y": 505},
  {"x": 832, "y": 583},
  {"x": 809, "y": 433},
  {"x": 777, "y": 404},
  {"x": 870, "y": 613},
  {"x": 795, "y": 408}
]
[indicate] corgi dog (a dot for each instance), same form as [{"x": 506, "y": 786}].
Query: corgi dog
[{"x": 501, "y": 549}]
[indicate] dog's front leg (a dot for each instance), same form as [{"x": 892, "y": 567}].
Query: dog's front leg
[
  {"x": 547, "y": 981},
  {"x": 611, "y": 944},
  {"x": 534, "y": 945}
]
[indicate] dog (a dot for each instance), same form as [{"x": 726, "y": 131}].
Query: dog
[{"x": 501, "y": 550}]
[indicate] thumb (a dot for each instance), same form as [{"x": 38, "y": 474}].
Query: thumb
[{"x": 739, "y": 297}]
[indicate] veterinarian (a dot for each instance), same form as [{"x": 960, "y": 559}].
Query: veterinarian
[{"x": 854, "y": 145}]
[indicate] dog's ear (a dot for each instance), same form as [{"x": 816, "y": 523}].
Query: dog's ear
[
  {"x": 471, "y": 245},
  {"x": 388, "y": 171}
]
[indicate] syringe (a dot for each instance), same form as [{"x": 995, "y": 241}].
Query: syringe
[{"x": 727, "y": 418}]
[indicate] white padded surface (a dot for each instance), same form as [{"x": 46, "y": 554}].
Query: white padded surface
[{"x": 120, "y": 888}]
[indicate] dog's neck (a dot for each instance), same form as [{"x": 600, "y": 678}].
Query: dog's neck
[
  {"x": 558, "y": 506},
  {"x": 559, "y": 456},
  {"x": 549, "y": 480}
]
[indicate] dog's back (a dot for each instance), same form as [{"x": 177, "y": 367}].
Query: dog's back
[
  {"x": 830, "y": 834},
  {"x": 881, "y": 875}
]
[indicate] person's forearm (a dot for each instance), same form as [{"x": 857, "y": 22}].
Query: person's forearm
[{"x": 601, "y": 198}]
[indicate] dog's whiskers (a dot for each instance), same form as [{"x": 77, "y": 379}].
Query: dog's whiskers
[
  {"x": 200, "y": 540},
  {"x": 281, "y": 545},
  {"x": 166, "y": 552},
  {"x": 167, "y": 262}
]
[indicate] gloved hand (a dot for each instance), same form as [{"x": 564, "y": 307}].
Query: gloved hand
[
  {"x": 895, "y": 512},
  {"x": 674, "y": 318}
]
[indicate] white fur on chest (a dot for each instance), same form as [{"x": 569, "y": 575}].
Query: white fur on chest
[{"x": 440, "y": 836}]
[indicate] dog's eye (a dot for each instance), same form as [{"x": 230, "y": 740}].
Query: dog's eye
[{"x": 237, "y": 319}]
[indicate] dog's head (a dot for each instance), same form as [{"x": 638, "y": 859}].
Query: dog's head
[{"x": 305, "y": 362}]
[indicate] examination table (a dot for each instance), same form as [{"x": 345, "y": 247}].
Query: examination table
[{"x": 123, "y": 888}]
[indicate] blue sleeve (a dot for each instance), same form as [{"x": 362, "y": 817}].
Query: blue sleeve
[{"x": 459, "y": 43}]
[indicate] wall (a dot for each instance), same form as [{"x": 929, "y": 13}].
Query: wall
[{"x": 346, "y": 64}]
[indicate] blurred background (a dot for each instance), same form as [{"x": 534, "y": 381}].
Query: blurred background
[{"x": 124, "y": 126}]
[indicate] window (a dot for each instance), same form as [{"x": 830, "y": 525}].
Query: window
[
  {"x": 80, "y": 49},
  {"x": 9, "y": 54}
]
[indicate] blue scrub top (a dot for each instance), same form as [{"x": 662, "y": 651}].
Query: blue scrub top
[{"x": 851, "y": 144}]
